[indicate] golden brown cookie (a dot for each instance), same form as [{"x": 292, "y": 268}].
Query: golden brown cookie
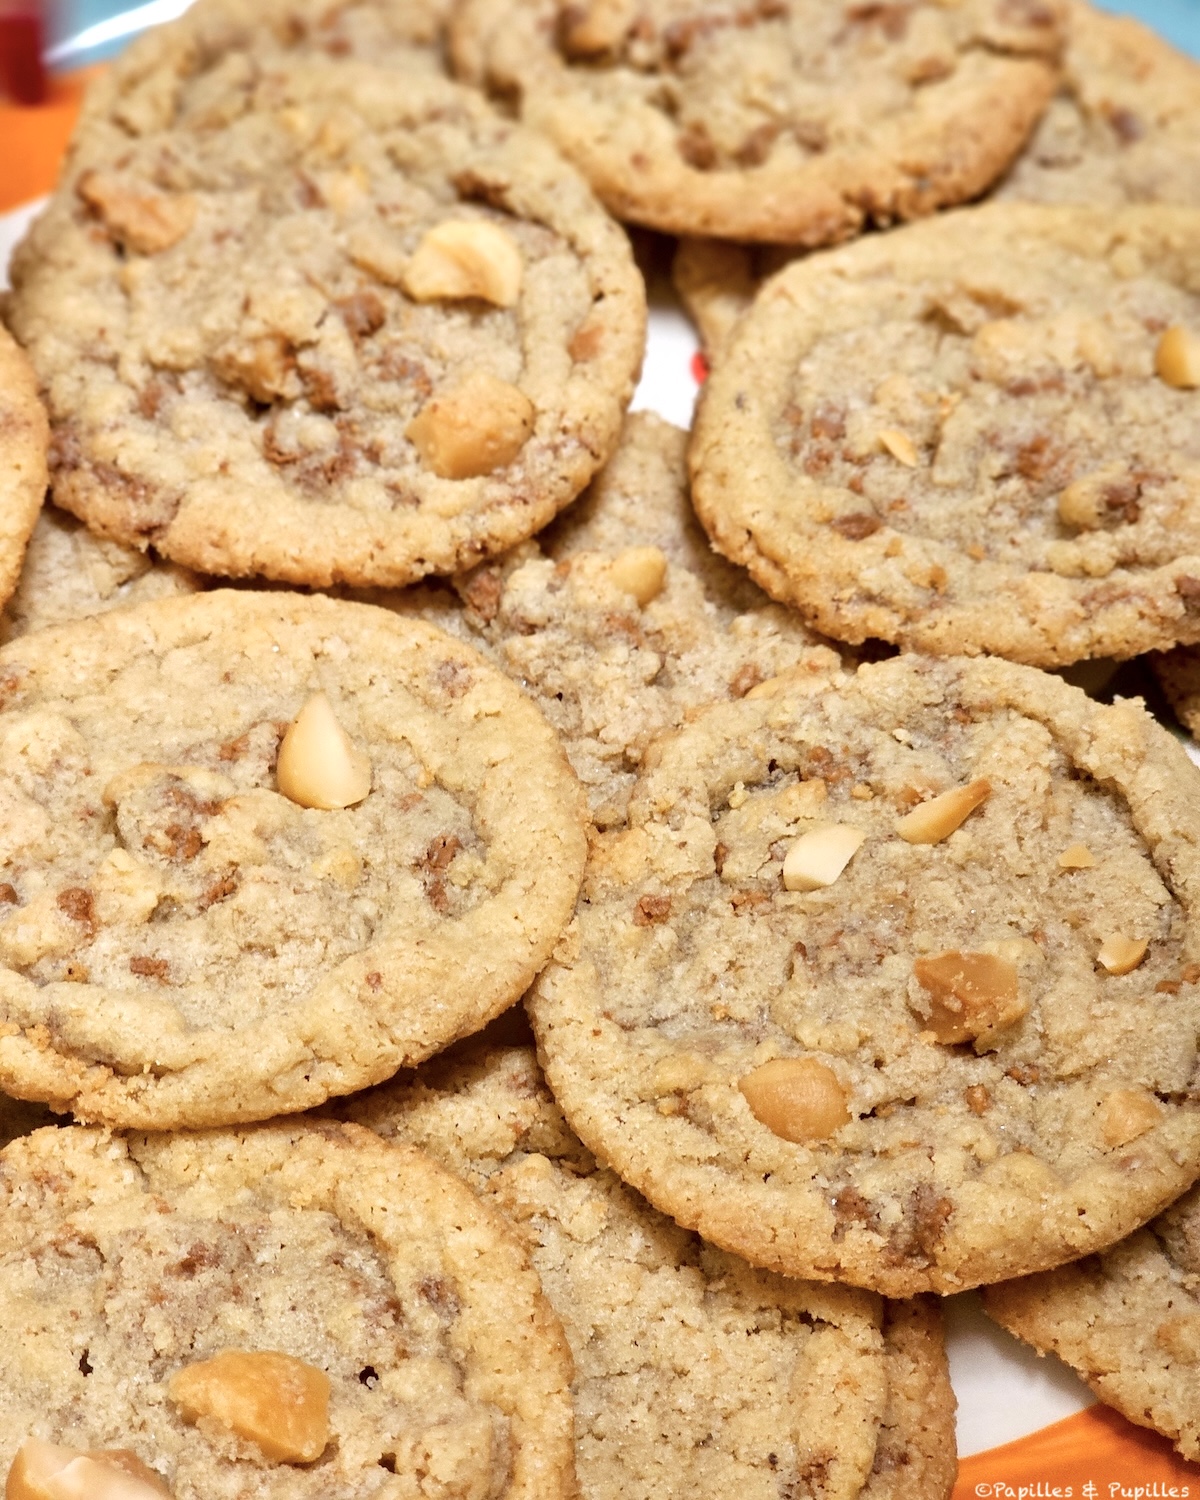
[
  {"x": 692, "y": 1370},
  {"x": 974, "y": 434},
  {"x": 892, "y": 979},
  {"x": 23, "y": 439},
  {"x": 359, "y": 334},
  {"x": 1124, "y": 127},
  {"x": 780, "y": 120},
  {"x": 1127, "y": 1321},
  {"x": 209, "y": 913},
  {"x": 69, "y": 573},
  {"x": 177, "y": 1296}
]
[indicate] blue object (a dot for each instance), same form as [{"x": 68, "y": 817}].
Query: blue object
[{"x": 85, "y": 31}]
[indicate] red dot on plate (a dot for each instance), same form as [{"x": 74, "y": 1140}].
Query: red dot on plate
[{"x": 699, "y": 367}]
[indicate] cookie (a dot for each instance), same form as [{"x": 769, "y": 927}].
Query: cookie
[
  {"x": 143, "y": 1275},
  {"x": 621, "y": 620},
  {"x": 915, "y": 1454},
  {"x": 1127, "y": 1321},
  {"x": 779, "y": 120},
  {"x": 193, "y": 68},
  {"x": 693, "y": 1371},
  {"x": 68, "y": 574},
  {"x": 201, "y": 922},
  {"x": 360, "y": 334},
  {"x": 975, "y": 434},
  {"x": 717, "y": 281},
  {"x": 23, "y": 440},
  {"x": 1124, "y": 127},
  {"x": 892, "y": 979}
]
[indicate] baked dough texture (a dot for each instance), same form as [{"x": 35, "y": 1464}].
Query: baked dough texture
[
  {"x": 194, "y": 68},
  {"x": 1124, "y": 127},
  {"x": 222, "y": 324},
  {"x": 779, "y": 120},
  {"x": 620, "y": 620},
  {"x": 1059, "y": 1118},
  {"x": 24, "y": 434},
  {"x": 126, "y": 1259},
  {"x": 1127, "y": 1321},
  {"x": 694, "y": 1372},
  {"x": 954, "y": 437},
  {"x": 69, "y": 573},
  {"x": 182, "y": 943}
]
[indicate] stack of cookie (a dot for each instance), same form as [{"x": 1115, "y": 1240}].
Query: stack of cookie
[{"x": 854, "y": 978}]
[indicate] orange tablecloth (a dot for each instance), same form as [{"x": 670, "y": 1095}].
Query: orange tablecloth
[{"x": 32, "y": 140}]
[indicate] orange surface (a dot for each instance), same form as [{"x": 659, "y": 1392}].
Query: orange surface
[
  {"x": 1094, "y": 1455},
  {"x": 32, "y": 140}
]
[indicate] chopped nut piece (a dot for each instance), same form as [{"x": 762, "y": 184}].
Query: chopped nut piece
[
  {"x": 1126, "y": 1114},
  {"x": 1177, "y": 358},
  {"x": 1080, "y": 506},
  {"x": 318, "y": 765},
  {"x": 1077, "y": 857},
  {"x": 972, "y": 996},
  {"x": 935, "y": 820},
  {"x": 46, "y": 1471},
  {"x": 465, "y": 258},
  {"x": 816, "y": 859},
  {"x": 1121, "y": 955},
  {"x": 140, "y": 216},
  {"x": 796, "y": 1098},
  {"x": 475, "y": 428},
  {"x": 900, "y": 446},
  {"x": 594, "y": 25},
  {"x": 977, "y": 1099},
  {"x": 274, "y": 1400},
  {"x": 1180, "y": 1337},
  {"x": 640, "y": 571}
]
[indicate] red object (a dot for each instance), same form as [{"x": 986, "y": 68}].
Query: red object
[
  {"x": 22, "y": 40},
  {"x": 699, "y": 368}
]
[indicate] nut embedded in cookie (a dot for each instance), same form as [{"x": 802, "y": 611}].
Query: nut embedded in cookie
[
  {"x": 48, "y": 1471},
  {"x": 275, "y": 1401},
  {"x": 894, "y": 1079},
  {"x": 262, "y": 849},
  {"x": 1054, "y": 514}
]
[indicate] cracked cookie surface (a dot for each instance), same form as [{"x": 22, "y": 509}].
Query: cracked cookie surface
[
  {"x": 620, "y": 619},
  {"x": 772, "y": 120},
  {"x": 184, "y": 944},
  {"x": 693, "y": 1369},
  {"x": 1127, "y": 1321},
  {"x": 1124, "y": 127},
  {"x": 193, "y": 68},
  {"x": 961, "y": 1058},
  {"x": 68, "y": 573},
  {"x": 124, "y": 1261},
  {"x": 967, "y": 440},
  {"x": 24, "y": 434},
  {"x": 260, "y": 372}
]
